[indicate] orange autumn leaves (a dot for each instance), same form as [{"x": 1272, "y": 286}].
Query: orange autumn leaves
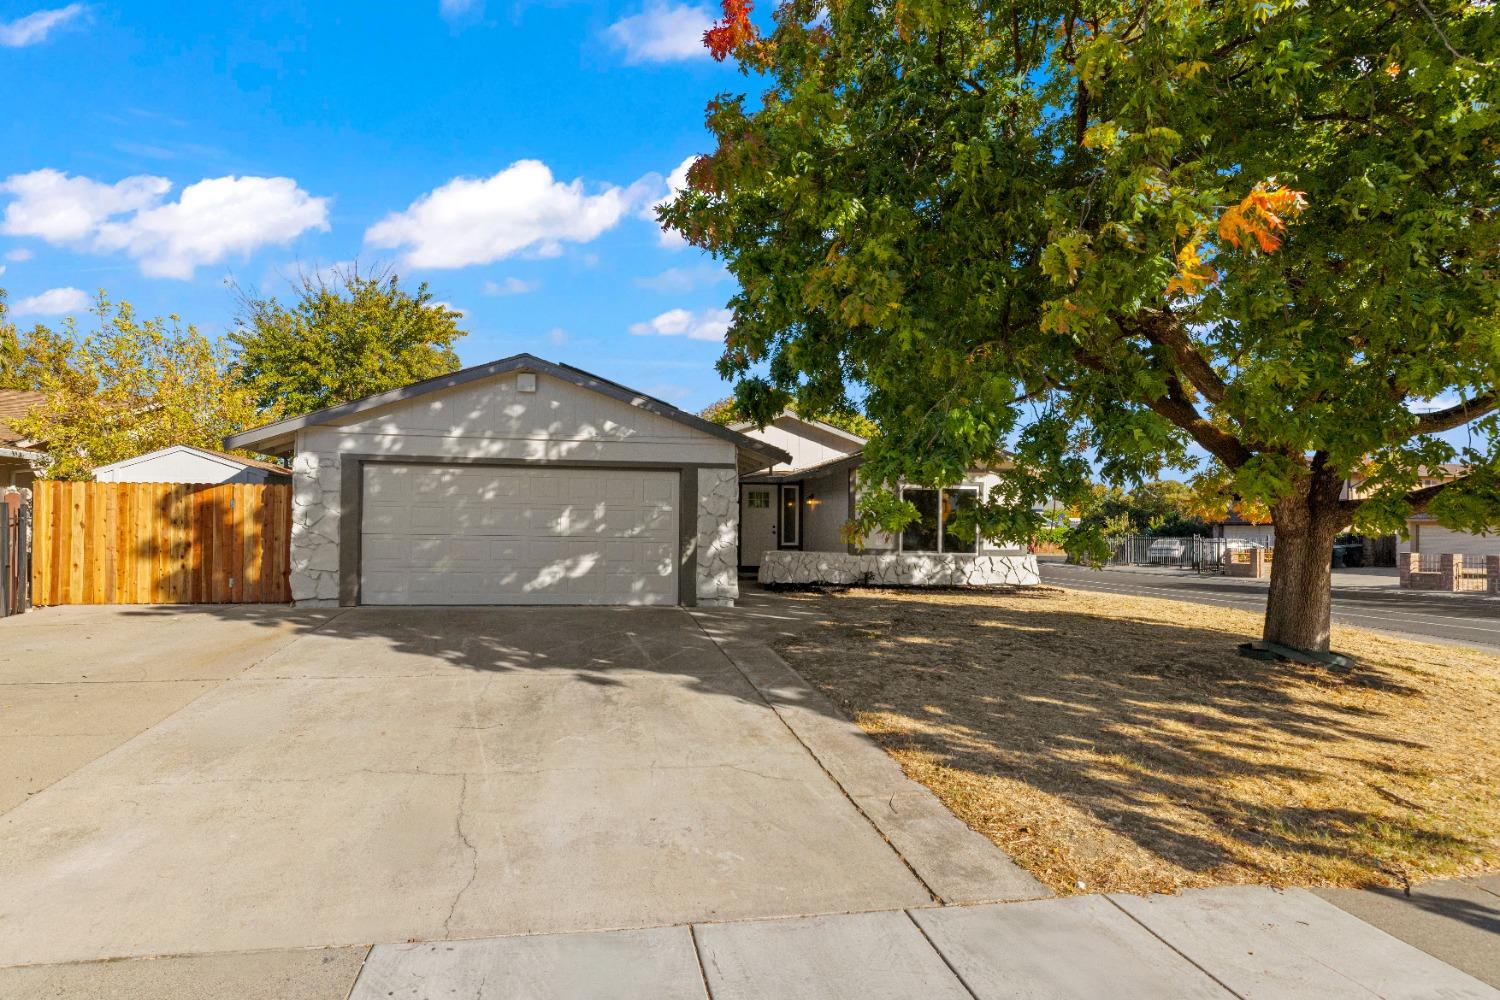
[
  {"x": 1259, "y": 218},
  {"x": 732, "y": 31}
]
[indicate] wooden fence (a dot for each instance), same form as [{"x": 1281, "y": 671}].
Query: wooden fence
[{"x": 160, "y": 543}]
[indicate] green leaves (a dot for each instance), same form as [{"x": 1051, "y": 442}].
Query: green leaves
[
  {"x": 128, "y": 387},
  {"x": 1116, "y": 240},
  {"x": 354, "y": 336}
]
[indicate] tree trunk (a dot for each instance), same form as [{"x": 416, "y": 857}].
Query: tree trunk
[{"x": 1299, "y": 604}]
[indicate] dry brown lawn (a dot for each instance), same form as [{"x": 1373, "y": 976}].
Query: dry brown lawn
[{"x": 1113, "y": 743}]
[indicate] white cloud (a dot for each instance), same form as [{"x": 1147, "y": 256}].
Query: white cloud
[
  {"x": 209, "y": 221},
  {"x": 53, "y": 302},
  {"x": 61, "y": 209},
  {"x": 683, "y": 279},
  {"x": 522, "y": 208},
  {"x": 448, "y": 306},
  {"x": 510, "y": 286},
  {"x": 663, "y": 32},
  {"x": 2, "y": 269},
  {"x": 676, "y": 181},
  {"x": 557, "y": 336},
  {"x": 19, "y": 255},
  {"x": 460, "y": 8},
  {"x": 35, "y": 27},
  {"x": 706, "y": 324}
]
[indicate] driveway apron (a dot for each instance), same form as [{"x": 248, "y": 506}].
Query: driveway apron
[{"x": 399, "y": 774}]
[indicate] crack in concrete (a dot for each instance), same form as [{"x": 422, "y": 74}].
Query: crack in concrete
[{"x": 458, "y": 827}]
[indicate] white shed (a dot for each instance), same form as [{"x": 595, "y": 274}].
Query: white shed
[
  {"x": 185, "y": 464},
  {"x": 515, "y": 482}
]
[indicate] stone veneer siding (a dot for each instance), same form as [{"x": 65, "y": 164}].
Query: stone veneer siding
[
  {"x": 718, "y": 537},
  {"x": 899, "y": 569},
  {"x": 315, "y": 529}
]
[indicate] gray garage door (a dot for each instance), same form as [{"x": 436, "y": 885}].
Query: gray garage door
[{"x": 517, "y": 535}]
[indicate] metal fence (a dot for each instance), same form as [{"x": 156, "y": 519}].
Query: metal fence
[
  {"x": 1194, "y": 552},
  {"x": 15, "y": 553}
]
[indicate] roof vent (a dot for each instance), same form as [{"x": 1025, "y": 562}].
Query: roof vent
[{"x": 526, "y": 382}]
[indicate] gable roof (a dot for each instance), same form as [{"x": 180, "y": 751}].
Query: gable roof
[
  {"x": 278, "y": 435},
  {"x": 16, "y": 403},
  {"x": 222, "y": 457},
  {"x": 837, "y": 432}
]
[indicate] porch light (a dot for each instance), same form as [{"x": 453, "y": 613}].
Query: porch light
[{"x": 812, "y": 500}]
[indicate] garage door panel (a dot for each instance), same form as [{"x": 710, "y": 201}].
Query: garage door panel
[{"x": 457, "y": 535}]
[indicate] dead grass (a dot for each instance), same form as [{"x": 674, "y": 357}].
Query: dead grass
[{"x": 1113, "y": 743}]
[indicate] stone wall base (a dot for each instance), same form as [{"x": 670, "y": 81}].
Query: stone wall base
[{"x": 899, "y": 569}]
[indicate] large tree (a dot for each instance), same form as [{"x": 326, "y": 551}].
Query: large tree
[
  {"x": 28, "y": 357},
  {"x": 1258, "y": 235},
  {"x": 127, "y": 387},
  {"x": 347, "y": 335}
]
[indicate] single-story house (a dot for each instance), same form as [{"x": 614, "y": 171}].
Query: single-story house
[
  {"x": 21, "y": 461},
  {"x": 1236, "y": 527},
  {"x": 185, "y": 464},
  {"x": 523, "y": 481},
  {"x": 792, "y": 518}
]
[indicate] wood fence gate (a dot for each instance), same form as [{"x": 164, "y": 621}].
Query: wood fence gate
[
  {"x": 15, "y": 554},
  {"x": 160, "y": 543}
]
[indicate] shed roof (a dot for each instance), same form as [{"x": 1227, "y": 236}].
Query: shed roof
[{"x": 211, "y": 453}]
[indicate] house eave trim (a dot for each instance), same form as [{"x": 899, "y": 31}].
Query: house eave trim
[{"x": 260, "y": 436}]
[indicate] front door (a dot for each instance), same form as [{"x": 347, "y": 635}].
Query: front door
[{"x": 757, "y": 523}]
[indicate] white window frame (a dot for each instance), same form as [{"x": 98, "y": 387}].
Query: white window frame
[
  {"x": 781, "y": 508},
  {"x": 942, "y": 527}
]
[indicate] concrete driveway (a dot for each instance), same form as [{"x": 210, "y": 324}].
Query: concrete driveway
[{"x": 249, "y": 778}]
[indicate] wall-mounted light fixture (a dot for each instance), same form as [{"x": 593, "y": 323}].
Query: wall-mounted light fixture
[{"x": 812, "y": 500}]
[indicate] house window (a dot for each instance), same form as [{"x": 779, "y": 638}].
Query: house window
[
  {"x": 935, "y": 510},
  {"x": 758, "y": 498},
  {"x": 791, "y": 516}
]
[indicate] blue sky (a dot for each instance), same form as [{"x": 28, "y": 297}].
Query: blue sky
[{"x": 507, "y": 153}]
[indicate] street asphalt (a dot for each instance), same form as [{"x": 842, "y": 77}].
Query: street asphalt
[{"x": 1461, "y": 619}]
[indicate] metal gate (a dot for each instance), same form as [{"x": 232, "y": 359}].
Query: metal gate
[{"x": 15, "y": 553}]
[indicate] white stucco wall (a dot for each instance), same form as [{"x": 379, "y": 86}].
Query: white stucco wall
[
  {"x": 808, "y": 444},
  {"x": 492, "y": 419}
]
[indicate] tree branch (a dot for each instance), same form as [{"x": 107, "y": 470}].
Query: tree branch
[
  {"x": 1179, "y": 409},
  {"x": 1456, "y": 416},
  {"x": 1167, "y": 332},
  {"x": 1419, "y": 499}
]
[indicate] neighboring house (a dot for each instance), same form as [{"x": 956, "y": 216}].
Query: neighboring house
[
  {"x": 185, "y": 464},
  {"x": 515, "y": 482},
  {"x": 1423, "y": 533},
  {"x": 804, "y": 504},
  {"x": 1236, "y": 527},
  {"x": 21, "y": 461}
]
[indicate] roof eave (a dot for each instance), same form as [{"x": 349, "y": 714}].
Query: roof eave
[{"x": 282, "y": 434}]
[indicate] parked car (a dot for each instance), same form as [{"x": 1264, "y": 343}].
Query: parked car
[{"x": 1165, "y": 550}]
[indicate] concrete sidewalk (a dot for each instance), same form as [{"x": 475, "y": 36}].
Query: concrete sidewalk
[
  {"x": 1213, "y": 943},
  {"x": 1246, "y": 942}
]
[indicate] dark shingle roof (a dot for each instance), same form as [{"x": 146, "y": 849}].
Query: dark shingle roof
[{"x": 14, "y": 403}]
